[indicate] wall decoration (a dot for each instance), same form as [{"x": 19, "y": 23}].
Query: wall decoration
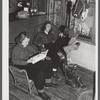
[{"x": 54, "y": 12}]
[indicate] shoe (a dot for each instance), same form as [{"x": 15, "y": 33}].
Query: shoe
[
  {"x": 70, "y": 84},
  {"x": 44, "y": 96},
  {"x": 56, "y": 76},
  {"x": 83, "y": 87},
  {"x": 54, "y": 85}
]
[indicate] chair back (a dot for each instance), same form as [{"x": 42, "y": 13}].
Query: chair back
[{"x": 20, "y": 78}]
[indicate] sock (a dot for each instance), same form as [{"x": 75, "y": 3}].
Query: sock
[
  {"x": 47, "y": 80},
  {"x": 41, "y": 91},
  {"x": 54, "y": 69}
]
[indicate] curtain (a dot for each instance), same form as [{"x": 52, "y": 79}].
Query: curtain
[{"x": 42, "y": 5}]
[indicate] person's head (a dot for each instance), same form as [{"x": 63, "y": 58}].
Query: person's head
[
  {"x": 23, "y": 38},
  {"x": 47, "y": 27}
]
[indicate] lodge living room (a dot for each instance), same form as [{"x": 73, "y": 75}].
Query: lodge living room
[{"x": 29, "y": 15}]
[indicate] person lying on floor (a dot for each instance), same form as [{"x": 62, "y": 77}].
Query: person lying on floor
[{"x": 39, "y": 72}]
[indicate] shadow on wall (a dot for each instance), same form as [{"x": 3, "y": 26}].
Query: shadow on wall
[{"x": 85, "y": 56}]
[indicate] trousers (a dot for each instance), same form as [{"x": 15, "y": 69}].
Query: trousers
[{"x": 38, "y": 72}]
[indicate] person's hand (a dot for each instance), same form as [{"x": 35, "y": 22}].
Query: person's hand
[
  {"x": 48, "y": 58},
  {"x": 29, "y": 61},
  {"x": 42, "y": 48},
  {"x": 61, "y": 35}
]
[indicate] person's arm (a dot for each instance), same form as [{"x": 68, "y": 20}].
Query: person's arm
[
  {"x": 72, "y": 40},
  {"x": 53, "y": 36},
  {"x": 16, "y": 57},
  {"x": 38, "y": 41},
  {"x": 32, "y": 50}
]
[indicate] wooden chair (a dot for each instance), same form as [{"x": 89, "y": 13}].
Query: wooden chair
[{"x": 21, "y": 79}]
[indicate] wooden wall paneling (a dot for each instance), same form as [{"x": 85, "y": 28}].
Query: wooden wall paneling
[
  {"x": 63, "y": 12},
  {"x": 15, "y": 27},
  {"x": 13, "y": 5}
]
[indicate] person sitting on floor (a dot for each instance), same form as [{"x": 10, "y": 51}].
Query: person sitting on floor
[{"x": 39, "y": 72}]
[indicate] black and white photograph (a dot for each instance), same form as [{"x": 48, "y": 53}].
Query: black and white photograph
[{"x": 51, "y": 50}]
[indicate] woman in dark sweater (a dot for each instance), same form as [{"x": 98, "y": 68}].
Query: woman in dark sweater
[
  {"x": 46, "y": 38},
  {"x": 39, "y": 72}
]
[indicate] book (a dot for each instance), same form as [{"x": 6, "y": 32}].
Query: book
[{"x": 39, "y": 57}]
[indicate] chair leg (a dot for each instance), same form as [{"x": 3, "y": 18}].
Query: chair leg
[
  {"x": 30, "y": 86},
  {"x": 63, "y": 70},
  {"x": 13, "y": 77}
]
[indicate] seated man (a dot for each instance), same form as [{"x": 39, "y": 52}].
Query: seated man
[
  {"x": 65, "y": 45},
  {"x": 39, "y": 72},
  {"x": 65, "y": 42}
]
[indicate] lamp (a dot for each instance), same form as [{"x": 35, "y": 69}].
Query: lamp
[{"x": 33, "y": 9}]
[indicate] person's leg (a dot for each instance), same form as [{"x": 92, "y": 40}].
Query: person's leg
[
  {"x": 55, "y": 59},
  {"x": 48, "y": 73},
  {"x": 46, "y": 67},
  {"x": 39, "y": 82},
  {"x": 55, "y": 62},
  {"x": 38, "y": 76}
]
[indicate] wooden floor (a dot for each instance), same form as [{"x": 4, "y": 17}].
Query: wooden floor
[{"x": 63, "y": 92}]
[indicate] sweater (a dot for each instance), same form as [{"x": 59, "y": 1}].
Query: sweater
[
  {"x": 20, "y": 55},
  {"x": 42, "y": 38}
]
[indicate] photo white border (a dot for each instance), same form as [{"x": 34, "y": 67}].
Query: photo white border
[
  {"x": 5, "y": 50},
  {"x": 96, "y": 56},
  {"x": 5, "y": 38}
]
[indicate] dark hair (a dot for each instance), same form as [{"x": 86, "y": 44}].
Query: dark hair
[
  {"x": 77, "y": 43},
  {"x": 44, "y": 26},
  {"x": 62, "y": 28},
  {"x": 21, "y": 37}
]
